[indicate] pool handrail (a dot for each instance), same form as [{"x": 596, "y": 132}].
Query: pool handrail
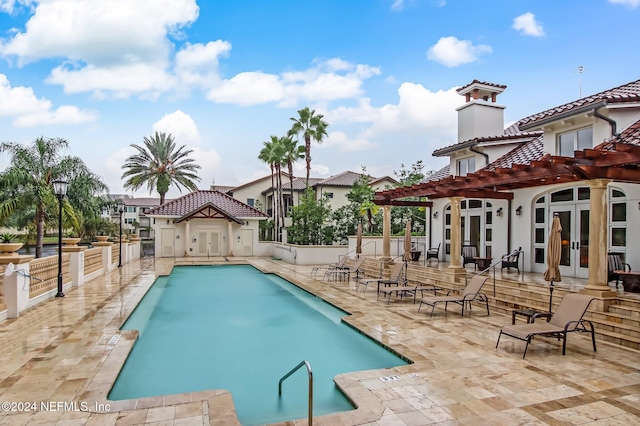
[{"x": 310, "y": 373}]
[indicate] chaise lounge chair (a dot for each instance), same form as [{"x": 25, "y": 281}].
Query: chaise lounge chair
[
  {"x": 407, "y": 290},
  {"x": 470, "y": 294},
  {"x": 342, "y": 262},
  {"x": 567, "y": 318},
  {"x": 356, "y": 268},
  {"x": 395, "y": 278}
]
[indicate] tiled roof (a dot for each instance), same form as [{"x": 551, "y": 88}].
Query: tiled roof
[
  {"x": 523, "y": 154},
  {"x": 629, "y": 92},
  {"x": 142, "y": 202},
  {"x": 486, "y": 83},
  {"x": 193, "y": 201},
  {"x": 380, "y": 179},
  {"x": 347, "y": 178},
  {"x": 440, "y": 174},
  {"x": 222, "y": 188},
  {"x": 630, "y": 135},
  {"x": 513, "y": 134}
]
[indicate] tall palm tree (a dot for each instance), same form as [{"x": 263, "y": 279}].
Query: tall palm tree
[
  {"x": 266, "y": 155},
  {"x": 273, "y": 154},
  {"x": 292, "y": 153},
  {"x": 27, "y": 183},
  {"x": 311, "y": 126},
  {"x": 159, "y": 164}
]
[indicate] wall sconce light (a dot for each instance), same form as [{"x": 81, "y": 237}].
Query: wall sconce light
[
  {"x": 238, "y": 237},
  {"x": 435, "y": 215},
  {"x": 519, "y": 211},
  {"x": 638, "y": 206},
  {"x": 177, "y": 237},
  {"x": 167, "y": 221},
  {"x": 499, "y": 212}
]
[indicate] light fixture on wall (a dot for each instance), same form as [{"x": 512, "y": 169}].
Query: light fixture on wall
[
  {"x": 519, "y": 211},
  {"x": 499, "y": 212},
  {"x": 435, "y": 215}
]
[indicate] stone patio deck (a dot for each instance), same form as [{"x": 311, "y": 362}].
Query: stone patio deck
[{"x": 64, "y": 351}]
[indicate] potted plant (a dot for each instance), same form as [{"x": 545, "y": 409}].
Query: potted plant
[{"x": 8, "y": 245}]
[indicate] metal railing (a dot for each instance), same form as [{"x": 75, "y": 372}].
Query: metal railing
[
  {"x": 494, "y": 264},
  {"x": 310, "y": 373}
]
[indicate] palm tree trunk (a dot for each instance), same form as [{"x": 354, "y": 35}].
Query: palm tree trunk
[
  {"x": 39, "y": 231},
  {"x": 307, "y": 155},
  {"x": 290, "y": 164},
  {"x": 274, "y": 211}
]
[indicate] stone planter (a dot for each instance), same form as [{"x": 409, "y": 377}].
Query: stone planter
[
  {"x": 10, "y": 249},
  {"x": 134, "y": 237},
  {"x": 102, "y": 238},
  {"x": 70, "y": 241}
]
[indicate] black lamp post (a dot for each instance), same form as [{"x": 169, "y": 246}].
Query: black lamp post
[
  {"x": 120, "y": 210},
  {"x": 60, "y": 188}
]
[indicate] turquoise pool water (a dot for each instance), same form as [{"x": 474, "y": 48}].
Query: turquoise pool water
[{"x": 232, "y": 327}]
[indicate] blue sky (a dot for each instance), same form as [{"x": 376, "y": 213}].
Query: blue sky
[{"x": 222, "y": 76}]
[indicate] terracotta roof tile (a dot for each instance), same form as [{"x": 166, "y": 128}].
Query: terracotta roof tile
[
  {"x": 486, "y": 83},
  {"x": 523, "y": 154},
  {"x": 629, "y": 92},
  {"x": 191, "y": 202},
  {"x": 347, "y": 178},
  {"x": 630, "y": 135},
  {"x": 513, "y": 134}
]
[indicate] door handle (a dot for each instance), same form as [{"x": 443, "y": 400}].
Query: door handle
[
  {"x": 573, "y": 245},
  {"x": 577, "y": 245}
]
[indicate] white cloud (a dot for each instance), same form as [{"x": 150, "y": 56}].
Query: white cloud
[
  {"x": 197, "y": 64},
  {"x": 340, "y": 140},
  {"x": 27, "y": 110},
  {"x": 527, "y": 25},
  {"x": 181, "y": 126},
  {"x": 185, "y": 132},
  {"x": 117, "y": 46},
  {"x": 397, "y": 5},
  {"x": 451, "y": 52},
  {"x": 326, "y": 80},
  {"x": 631, "y": 3}
]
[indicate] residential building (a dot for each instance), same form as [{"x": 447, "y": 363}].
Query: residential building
[
  {"x": 134, "y": 215},
  {"x": 205, "y": 223},
  {"x": 501, "y": 188}
]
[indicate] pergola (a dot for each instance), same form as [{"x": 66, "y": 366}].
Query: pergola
[{"x": 616, "y": 160}]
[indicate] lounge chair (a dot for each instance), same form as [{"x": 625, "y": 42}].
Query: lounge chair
[
  {"x": 434, "y": 253},
  {"x": 407, "y": 290},
  {"x": 469, "y": 253},
  {"x": 342, "y": 262},
  {"x": 395, "y": 278},
  {"x": 512, "y": 260},
  {"x": 615, "y": 263},
  {"x": 356, "y": 268},
  {"x": 470, "y": 294},
  {"x": 567, "y": 318}
]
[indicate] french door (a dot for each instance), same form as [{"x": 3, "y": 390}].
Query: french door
[
  {"x": 208, "y": 243},
  {"x": 574, "y": 219}
]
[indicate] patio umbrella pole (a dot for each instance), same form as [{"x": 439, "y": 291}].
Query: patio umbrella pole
[{"x": 550, "y": 295}]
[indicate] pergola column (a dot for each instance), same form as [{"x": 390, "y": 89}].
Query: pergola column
[
  {"x": 598, "y": 240},
  {"x": 455, "y": 253},
  {"x": 230, "y": 233},
  {"x": 386, "y": 233}
]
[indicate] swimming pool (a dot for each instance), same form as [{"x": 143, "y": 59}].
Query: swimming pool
[{"x": 232, "y": 327}]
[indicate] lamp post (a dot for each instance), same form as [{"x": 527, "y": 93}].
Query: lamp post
[
  {"x": 60, "y": 188},
  {"x": 120, "y": 210}
]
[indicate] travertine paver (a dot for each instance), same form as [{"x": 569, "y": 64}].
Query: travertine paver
[{"x": 63, "y": 353}]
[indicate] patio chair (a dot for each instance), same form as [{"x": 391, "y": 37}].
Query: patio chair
[
  {"x": 567, "y": 318},
  {"x": 469, "y": 252},
  {"x": 340, "y": 264},
  {"x": 615, "y": 263},
  {"x": 356, "y": 268},
  {"x": 395, "y": 278},
  {"x": 408, "y": 290},
  {"x": 471, "y": 293},
  {"x": 434, "y": 253},
  {"x": 512, "y": 260}
]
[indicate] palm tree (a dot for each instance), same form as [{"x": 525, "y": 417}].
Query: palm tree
[
  {"x": 160, "y": 165},
  {"x": 369, "y": 209},
  {"x": 266, "y": 155},
  {"x": 311, "y": 126},
  {"x": 292, "y": 153},
  {"x": 27, "y": 183}
]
